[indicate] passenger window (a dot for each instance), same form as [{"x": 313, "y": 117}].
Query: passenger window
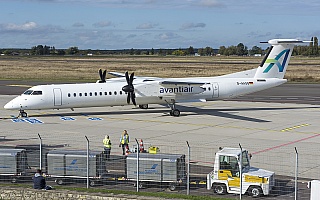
[
  {"x": 115, "y": 93},
  {"x": 110, "y": 93},
  {"x": 209, "y": 88},
  {"x": 100, "y": 93},
  {"x": 85, "y": 94},
  {"x": 120, "y": 92},
  {"x": 106, "y": 93},
  {"x": 69, "y": 95},
  {"x": 80, "y": 94},
  {"x": 90, "y": 94},
  {"x": 95, "y": 93},
  {"x": 74, "y": 94}
]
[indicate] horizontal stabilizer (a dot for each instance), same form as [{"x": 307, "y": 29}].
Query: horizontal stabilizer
[{"x": 285, "y": 41}]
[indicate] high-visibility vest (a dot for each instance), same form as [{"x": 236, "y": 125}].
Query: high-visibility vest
[
  {"x": 125, "y": 139},
  {"x": 107, "y": 143}
]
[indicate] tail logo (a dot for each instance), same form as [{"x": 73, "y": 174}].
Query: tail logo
[{"x": 276, "y": 61}]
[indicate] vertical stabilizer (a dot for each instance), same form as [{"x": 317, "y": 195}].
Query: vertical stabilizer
[{"x": 275, "y": 62}]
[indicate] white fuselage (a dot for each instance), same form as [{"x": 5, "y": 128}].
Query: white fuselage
[{"x": 80, "y": 95}]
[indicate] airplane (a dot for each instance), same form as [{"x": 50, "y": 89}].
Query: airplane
[{"x": 142, "y": 91}]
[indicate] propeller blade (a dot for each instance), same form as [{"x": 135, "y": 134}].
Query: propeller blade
[
  {"x": 100, "y": 72},
  {"x": 127, "y": 77},
  {"x": 128, "y": 98},
  {"x": 104, "y": 75},
  {"x": 133, "y": 99},
  {"x": 131, "y": 78}
]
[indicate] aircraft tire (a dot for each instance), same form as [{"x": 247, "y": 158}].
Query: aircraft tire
[
  {"x": 175, "y": 113},
  {"x": 24, "y": 114},
  {"x": 144, "y": 106}
]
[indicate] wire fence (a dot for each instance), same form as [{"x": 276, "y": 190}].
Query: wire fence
[{"x": 171, "y": 167}]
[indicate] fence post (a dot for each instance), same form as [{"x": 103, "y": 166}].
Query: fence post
[
  {"x": 137, "y": 164},
  {"x": 188, "y": 173},
  {"x": 40, "y": 149},
  {"x": 87, "y": 161},
  {"x": 240, "y": 167},
  {"x": 296, "y": 176}
]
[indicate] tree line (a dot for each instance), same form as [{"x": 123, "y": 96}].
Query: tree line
[{"x": 239, "y": 50}]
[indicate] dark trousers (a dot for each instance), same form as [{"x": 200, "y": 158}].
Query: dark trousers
[
  {"x": 107, "y": 152},
  {"x": 124, "y": 147}
]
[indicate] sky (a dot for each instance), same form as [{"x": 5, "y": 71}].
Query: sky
[{"x": 126, "y": 24}]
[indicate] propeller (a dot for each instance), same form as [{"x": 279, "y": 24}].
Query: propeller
[
  {"x": 102, "y": 76},
  {"x": 129, "y": 89}
]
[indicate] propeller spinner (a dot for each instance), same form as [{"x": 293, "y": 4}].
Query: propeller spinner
[{"x": 129, "y": 89}]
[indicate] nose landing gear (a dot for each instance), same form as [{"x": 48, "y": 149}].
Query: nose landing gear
[{"x": 23, "y": 114}]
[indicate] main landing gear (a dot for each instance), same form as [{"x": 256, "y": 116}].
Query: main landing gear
[
  {"x": 23, "y": 113},
  {"x": 143, "y": 106},
  {"x": 174, "y": 112}
]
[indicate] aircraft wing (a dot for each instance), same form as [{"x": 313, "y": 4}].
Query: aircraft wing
[
  {"x": 142, "y": 78},
  {"x": 117, "y": 74},
  {"x": 166, "y": 83}
]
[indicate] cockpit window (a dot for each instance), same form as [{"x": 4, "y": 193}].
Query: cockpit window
[
  {"x": 28, "y": 92},
  {"x": 37, "y": 93}
]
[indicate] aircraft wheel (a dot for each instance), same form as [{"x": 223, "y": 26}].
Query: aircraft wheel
[
  {"x": 175, "y": 113},
  {"x": 24, "y": 114}
]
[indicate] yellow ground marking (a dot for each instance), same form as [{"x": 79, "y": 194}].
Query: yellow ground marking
[
  {"x": 294, "y": 127},
  {"x": 27, "y": 86}
]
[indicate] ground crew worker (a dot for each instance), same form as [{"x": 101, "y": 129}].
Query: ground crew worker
[
  {"x": 107, "y": 146},
  {"x": 124, "y": 141}
]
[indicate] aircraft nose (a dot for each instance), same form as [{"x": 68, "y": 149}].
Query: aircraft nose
[
  {"x": 8, "y": 105},
  {"x": 11, "y": 105}
]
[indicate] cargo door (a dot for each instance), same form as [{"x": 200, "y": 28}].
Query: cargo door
[{"x": 57, "y": 97}]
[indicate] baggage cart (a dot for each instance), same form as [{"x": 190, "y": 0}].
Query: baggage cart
[
  {"x": 13, "y": 164},
  {"x": 67, "y": 166},
  {"x": 169, "y": 169}
]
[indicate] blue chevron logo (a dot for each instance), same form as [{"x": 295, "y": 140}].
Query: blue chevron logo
[{"x": 276, "y": 61}]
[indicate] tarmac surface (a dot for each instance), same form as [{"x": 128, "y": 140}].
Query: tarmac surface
[{"x": 270, "y": 124}]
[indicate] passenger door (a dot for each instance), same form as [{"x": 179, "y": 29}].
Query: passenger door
[{"x": 57, "y": 97}]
